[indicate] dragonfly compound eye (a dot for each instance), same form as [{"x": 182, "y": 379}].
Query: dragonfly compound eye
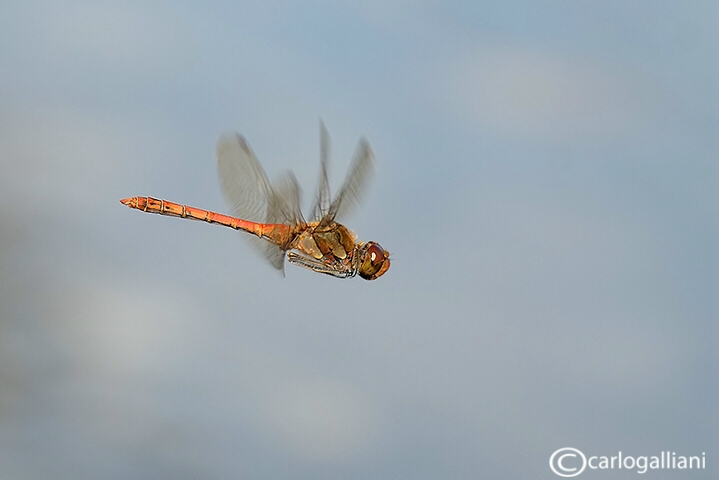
[{"x": 375, "y": 261}]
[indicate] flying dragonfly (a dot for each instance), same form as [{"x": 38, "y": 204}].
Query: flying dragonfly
[{"x": 273, "y": 215}]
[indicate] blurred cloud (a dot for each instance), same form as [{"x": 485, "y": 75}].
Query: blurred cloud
[
  {"x": 321, "y": 420},
  {"x": 57, "y": 154},
  {"x": 131, "y": 327},
  {"x": 536, "y": 95},
  {"x": 102, "y": 37},
  {"x": 64, "y": 157},
  {"x": 394, "y": 16}
]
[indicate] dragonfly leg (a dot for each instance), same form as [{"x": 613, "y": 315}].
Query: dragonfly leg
[{"x": 305, "y": 261}]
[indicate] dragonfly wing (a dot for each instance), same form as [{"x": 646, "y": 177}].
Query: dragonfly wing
[
  {"x": 284, "y": 202},
  {"x": 274, "y": 254},
  {"x": 355, "y": 183},
  {"x": 283, "y": 206},
  {"x": 246, "y": 189},
  {"x": 243, "y": 181},
  {"x": 322, "y": 200}
]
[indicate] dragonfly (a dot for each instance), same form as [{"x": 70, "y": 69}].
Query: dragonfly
[{"x": 272, "y": 213}]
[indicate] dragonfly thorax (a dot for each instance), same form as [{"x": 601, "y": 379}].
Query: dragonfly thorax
[{"x": 333, "y": 241}]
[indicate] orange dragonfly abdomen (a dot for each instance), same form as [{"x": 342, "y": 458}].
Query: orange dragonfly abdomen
[{"x": 278, "y": 233}]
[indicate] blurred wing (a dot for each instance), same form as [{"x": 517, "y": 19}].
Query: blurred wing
[
  {"x": 247, "y": 190},
  {"x": 355, "y": 183},
  {"x": 243, "y": 181},
  {"x": 322, "y": 200},
  {"x": 284, "y": 202}
]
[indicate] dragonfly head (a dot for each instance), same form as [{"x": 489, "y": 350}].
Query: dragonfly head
[{"x": 374, "y": 261}]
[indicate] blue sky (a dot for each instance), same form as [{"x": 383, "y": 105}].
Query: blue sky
[{"x": 545, "y": 182}]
